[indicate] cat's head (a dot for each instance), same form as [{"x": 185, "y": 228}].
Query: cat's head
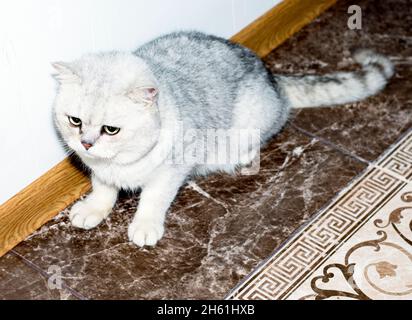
[{"x": 106, "y": 107}]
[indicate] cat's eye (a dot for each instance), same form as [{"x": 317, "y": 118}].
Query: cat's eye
[
  {"x": 75, "y": 121},
  {"x": 110, "y": 130}
]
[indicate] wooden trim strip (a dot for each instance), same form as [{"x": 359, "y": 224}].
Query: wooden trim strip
[{"x": 39, "y": 202}]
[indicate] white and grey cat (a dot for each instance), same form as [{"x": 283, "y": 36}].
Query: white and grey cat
[{"x": 117, "y": 110}]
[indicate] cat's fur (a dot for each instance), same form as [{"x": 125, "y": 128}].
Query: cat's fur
[{"x": 196, "y": 80}]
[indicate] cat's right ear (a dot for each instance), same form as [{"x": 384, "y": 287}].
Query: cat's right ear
[
  {"x": 146, "y": 95},
  {"x": 65, "y": 74}
]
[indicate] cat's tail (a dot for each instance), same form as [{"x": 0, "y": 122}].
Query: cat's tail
[{"x": 339, "y": 87}]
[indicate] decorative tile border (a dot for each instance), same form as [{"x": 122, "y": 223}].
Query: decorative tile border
[{"x": 301, "y": 257}]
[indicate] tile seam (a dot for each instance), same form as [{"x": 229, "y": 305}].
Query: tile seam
[
  {"x": 330, "y": 144},
  {"x": 45, "y": 275}
]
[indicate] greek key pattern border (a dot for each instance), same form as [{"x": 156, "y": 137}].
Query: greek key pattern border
[{"x": 280, "y": 273}]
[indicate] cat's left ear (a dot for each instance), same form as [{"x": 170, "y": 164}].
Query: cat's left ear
[
  {"x": 147, "y": 95},
  {"x": 65, "y": 74}
]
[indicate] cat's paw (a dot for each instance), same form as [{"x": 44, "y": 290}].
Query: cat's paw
[
  {"x": 86, "y": 216},
  {"x": 145, "y": 232}
]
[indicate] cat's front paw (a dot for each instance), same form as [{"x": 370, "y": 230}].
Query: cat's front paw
[
  {"x": 86, "y": 216},
  {"x": 145, "y": 232}
]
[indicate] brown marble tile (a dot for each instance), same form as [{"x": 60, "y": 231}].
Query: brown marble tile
[
  {"x": 18, "y": 281},
  {"x": 366, "y": 128},
  {"x": 212, "y": 240},
  {"x": 102, "y": 264}
]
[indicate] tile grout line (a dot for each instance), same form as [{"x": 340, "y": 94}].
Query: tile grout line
[
  {"x": 44, "y": 274},
  {"x": 330, "y": 144},
  {"x": 373, "y": 164}
]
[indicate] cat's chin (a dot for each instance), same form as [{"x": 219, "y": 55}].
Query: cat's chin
[
  {"x": 87, "y": 157},
  {"x": 91, "y": 156},
  {"x": 128, "y": 158}
]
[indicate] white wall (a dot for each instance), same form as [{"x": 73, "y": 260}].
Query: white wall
[{"x": 33, "y": 33}]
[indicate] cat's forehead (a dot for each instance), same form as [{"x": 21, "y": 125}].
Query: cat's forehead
[
  {"x": 108, "y": 69},
  {"x": 101, "y": 110},
  {"x": 99, "y": 84}
]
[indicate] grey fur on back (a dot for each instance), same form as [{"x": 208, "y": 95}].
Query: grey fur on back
[{"x": 204, "y": 73}]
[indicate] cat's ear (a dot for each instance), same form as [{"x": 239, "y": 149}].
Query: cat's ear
[
  {"x": 65, "y": 74},
  {"x": 147, "y": 95}
]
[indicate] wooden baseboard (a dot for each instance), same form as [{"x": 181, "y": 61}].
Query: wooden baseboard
[{"x": 39, "y": 202}]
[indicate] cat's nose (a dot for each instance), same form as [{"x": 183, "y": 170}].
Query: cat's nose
[{"x": 87, "y": 145}]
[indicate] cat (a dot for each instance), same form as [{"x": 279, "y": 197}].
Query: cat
[{"x": 117, "y": 112}]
